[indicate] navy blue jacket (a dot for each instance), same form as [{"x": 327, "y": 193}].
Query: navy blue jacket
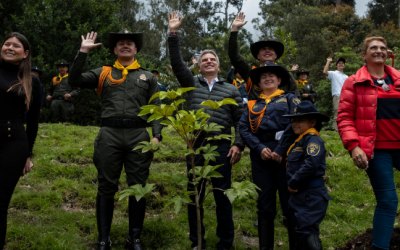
[
  {"x": 272, "y": 122},
  {"x": 306, "y": 161}
]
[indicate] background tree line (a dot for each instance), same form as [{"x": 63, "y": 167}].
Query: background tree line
[{"x": 311, "y": 30}]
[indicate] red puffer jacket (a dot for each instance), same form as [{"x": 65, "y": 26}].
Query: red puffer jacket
[{"x": 357, "y": 110}]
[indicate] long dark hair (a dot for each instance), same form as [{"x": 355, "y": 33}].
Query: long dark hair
[{"x": 24, "y": 84}]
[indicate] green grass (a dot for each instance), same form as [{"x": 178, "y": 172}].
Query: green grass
[{"x": 53, "y": 207}]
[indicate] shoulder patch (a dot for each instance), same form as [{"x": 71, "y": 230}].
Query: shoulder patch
[
  {"x": 297, "y": 149},
  {"x": 143, "y": 77},
  {"x": 254, "y": 107},
  {"x": 296, "y": 101},
  {"x": 313, "y": 149},
  {"x": 282, "y": 100}
]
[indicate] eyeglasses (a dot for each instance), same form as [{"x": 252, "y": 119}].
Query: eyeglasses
[{"x": 382, "y": 82}]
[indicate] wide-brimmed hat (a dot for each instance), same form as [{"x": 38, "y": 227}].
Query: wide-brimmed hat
[
  {"x": 277, "y": 46},
  {"x": 280, "y": 71},
  {"x": 302, "y": 71},
  {"x": 341, "y": 59},
  {"x": 35, "y": 68},
  {"x": 114, "y": 37},
  {"x": 62, "y": 63},
  {"x": 155, "y": 71},
  {"x": 307, "y": 109}
]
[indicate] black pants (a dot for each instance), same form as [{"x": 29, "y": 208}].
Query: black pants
[
  {"x": 225, "y": 228},
  {"x": 270, "y": 177},
  {"x": 13, "y": 155}
]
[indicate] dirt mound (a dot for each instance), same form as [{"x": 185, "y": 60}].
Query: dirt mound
[{"x": 364, "y": 241}]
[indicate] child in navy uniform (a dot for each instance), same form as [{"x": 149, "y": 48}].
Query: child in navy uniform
[{"x": 305, "y": 167}]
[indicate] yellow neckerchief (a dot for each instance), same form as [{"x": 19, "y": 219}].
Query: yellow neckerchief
[
  {"x": 301, "y": 81},
  {"x": 118, "y": 65},
  {"x": 236, "y": 81},
  {"x": 269, "y": 98},
  {"x": 55, "y": 82},
  {"x": 311, "y": 130},
  {"x": 254, "y": 124},
  {"x": 106, "y": 75}
]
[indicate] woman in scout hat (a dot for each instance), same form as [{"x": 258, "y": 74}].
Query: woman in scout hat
[
  {"x": 306, "y": 89},
  {"x": 305, "y": 167},
  {"x": 261, "y": 127}
]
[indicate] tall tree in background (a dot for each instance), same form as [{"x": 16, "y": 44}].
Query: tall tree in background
[{"x": 383, "y": 11}]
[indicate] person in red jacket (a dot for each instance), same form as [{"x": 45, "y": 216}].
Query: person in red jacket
[{"x": 369, "y": 125}]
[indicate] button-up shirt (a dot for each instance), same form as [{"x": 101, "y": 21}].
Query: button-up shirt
[
  {"x": 211, "y": 85},
  {"x": 337, "y": 79}
]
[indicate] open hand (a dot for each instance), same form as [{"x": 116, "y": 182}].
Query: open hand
[
  {"x": 67, "y": 96},
  {"x": 174, "y": 21},
  {"x": 236, "y": 154},
  {"x": 194, "y": 60},
  {"x": 295, "y": 67},
  {"x": 88, "y": 43},
  {"x": 238, "y": 22},
  {"x": 329, "y": 59}
]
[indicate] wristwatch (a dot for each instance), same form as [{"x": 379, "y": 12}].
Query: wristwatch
[{"x": 158, "y": 136}]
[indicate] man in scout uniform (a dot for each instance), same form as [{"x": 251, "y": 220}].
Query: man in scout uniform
[
  {"x": 239, "y": 83},
  {"x": 37, "y": 72},
  {"x": 123, "y": 88},
  {"x": 62, "y": 94},
  {"x": 263, "y": 51},
  {"x": 306, "y": 165},
  {"x": 306, "y": 89}
]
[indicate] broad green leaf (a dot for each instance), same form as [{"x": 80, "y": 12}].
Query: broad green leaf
[
  {"x": 242, "y": 190},
  {"x": 163, "y": 95},
  {"x": 227, "y": 101},
  {"x": 172, "y": 95},
  {"x": 212, "y": 127},
  {"x": 154, "y": 117},
  {"x": 219, "y": 137},
  {"x": 145, "y": 112},
  {"x": 211, "y": 104},
  {"x": 154, "y": 96},
  {"x": 180, "y": 180},
  {"x": 165, "y": 122},
  {"x": 137, "y": 190},
  {"x": 180, "y": 91},
  {"x": 179, "y": 102},
  {"x": 177, "y": 200}
]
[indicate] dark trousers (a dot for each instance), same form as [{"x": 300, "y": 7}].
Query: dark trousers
[
  {"x": 13, "y": 155},
  {"x": 270, "y": 177},
  {"x": 308, "y": 208},
  {"x": 225, "y": 228}
]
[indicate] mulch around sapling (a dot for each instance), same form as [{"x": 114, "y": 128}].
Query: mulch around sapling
[{"x": 363, "y": 241}]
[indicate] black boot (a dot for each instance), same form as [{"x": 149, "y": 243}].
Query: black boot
[
  {"x": 104, "y": 214},
  {"x": 266, "y": 234},
  {"x": 313, "y": 242},
  {"x": 294, "y": 243},
  {"x": 137, "y": 211}
]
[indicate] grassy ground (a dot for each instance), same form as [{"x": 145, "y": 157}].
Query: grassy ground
[{"x": 53, "y": 207}]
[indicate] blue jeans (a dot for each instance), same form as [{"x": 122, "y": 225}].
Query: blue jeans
[{"x": 380, "y": 173}]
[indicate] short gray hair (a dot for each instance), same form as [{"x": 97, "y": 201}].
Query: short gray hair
[{"x": 207, "y": 51}]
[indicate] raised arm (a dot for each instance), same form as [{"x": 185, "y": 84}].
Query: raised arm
[
  {"x": 229, "y": 77},
  {"x": 181, "y": 71},
  {"x": 233, "y": 51},
  {"x": 328, "y": 62},
  {"x": 76, "y": 77}
]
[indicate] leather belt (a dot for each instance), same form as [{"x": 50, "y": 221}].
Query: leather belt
[{"x": 123, "y": 123}]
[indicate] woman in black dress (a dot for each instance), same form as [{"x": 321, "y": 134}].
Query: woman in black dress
[{"x": 19, "y": 93}]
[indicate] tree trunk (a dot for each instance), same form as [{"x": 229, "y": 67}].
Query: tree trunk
[
  {"x": 338, "y": 3},
  {"x": 197, "y": 201}
]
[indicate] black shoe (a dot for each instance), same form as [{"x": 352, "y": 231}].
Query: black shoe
[
  {"x": 313, "y": 242},
  {"x": 137, "y": 211},
  {"x": 104, "y": 214},
  {"x": 266, "y": 234},
  {"x": 133, "y": 244},
  {"x": 104, "y": 245},
  {"x": 294, "y": 243}
]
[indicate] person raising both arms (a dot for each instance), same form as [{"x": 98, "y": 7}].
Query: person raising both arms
[
  {"x": 263, "y": 51},
  {"x": 20, "y": 93},
  {"x": 123, "y": 88}
]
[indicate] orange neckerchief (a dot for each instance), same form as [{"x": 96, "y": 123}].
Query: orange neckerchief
[
  {"x": 311, "y": 130},
  {"x": 300, "y": 83},
  {"x": 237, "y": 81},
  {"x": 249, "y": 83},
  {"x": 254, "y": 124},
  {"x": 106, "y": 75},
  {"x": 55, "y": 82}
]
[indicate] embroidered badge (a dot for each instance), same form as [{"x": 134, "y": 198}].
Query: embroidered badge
[
  {"x": 295, "y": 110},
  {"x": 282, "y": 100},
  {"x": 297, "y": 149},
  {"x": 308, "y": 86},
  {"x": 143, "y": 77},
  {"x": 313, "y": 149},
  {"x": 255, "y": 106},
  {"x": 296, "y": 101}
]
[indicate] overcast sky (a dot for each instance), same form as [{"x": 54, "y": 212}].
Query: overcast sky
[{"x": 251, "y": 9}]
